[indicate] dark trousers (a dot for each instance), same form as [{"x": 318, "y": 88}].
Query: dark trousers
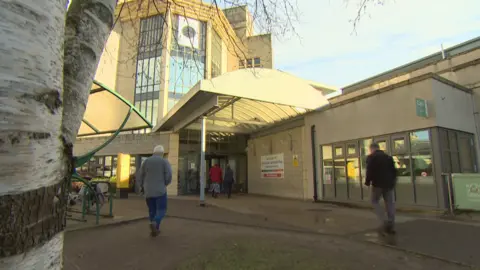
[
  {"x": 157, "y": 209},
  {"x": 228, "y": 188},
  {"x": 389, "y": 200}
]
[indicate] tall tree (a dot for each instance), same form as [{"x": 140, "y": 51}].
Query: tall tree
[{"x": 38, "y": 88}]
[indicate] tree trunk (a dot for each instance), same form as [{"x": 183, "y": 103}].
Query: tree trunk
[
  {"x": 33, "y": 157},
  {"x": 35, "y": 147},
  {"x": 88, "y": 25}
]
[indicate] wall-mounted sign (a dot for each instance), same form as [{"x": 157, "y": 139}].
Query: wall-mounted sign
[
  {"x": 295, "y": 160},
  {"x": 421, "y": 107},
  {"x": 188, "y": 32},
  {"x": 272, "y": 166}
]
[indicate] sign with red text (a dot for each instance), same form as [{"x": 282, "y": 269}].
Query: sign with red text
[{"x": 272, "y": 166}]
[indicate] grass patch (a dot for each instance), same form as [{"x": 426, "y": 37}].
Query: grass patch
[{"x": 254, "y": 254}]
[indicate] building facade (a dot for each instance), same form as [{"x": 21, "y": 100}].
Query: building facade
[
  {"x": 154, "y": 56},
  {"x": 424, "y": 114},
  {"x": 184, "y": 62}
]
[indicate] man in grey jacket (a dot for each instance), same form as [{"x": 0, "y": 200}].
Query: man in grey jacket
[{"x": 153, "y": 178}]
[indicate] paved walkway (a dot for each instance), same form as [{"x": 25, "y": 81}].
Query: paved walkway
[
  {"x": 195, "y": 245},
  {"x": 450, "y": 240}
]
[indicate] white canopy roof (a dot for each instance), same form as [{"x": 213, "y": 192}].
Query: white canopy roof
[{"x": 242, "y": 101}]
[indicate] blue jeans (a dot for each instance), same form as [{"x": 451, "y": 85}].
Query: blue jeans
[{"x": 157, "y": 209}]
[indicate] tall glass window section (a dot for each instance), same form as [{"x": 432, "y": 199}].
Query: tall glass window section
[
  {"x": 187, "y": 57},
  {"x": 147, "y": 81},
  {"x": 216, "y": 67}
]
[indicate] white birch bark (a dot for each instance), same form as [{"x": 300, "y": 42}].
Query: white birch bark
[
  {"x": 31, "y": 145},
  {"x": 88, "y": 26},
  {"x": 35, "y": 148}
]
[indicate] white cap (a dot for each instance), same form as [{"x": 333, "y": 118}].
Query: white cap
[{"x": 158, "y": 149}]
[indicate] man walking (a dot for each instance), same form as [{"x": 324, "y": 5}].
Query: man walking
[
  {"x": 228, "y": 180},
  {"x": 382, "y": 175},
  {"x": 216, "y": 178},
  {"x": 154, "y": 177}
]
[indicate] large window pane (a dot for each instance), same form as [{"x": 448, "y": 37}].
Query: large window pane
[
  {"x": 340, "y": 178},
  {"x": 404, "y": 189},
  {"x": 108, "y": 166},
  {"x": 148, "y": 64},
  {"x": 354, "y": 181},
  {"x": 364, "y": 152},
  {"x": 327, "y": 168},
  {"x": 424, "y": 180},
  {"x": 465, "y": 149},
  {"x": 187, "y": 56},
  {"x": 420, "y": 141},
  {"x": 425, "y": 189}
]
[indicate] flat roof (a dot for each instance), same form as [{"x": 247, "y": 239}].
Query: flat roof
[
  {"x": 98, "y": 120},
  {"x": 242, "y": 101},
  {"x": 417, "y": 64}
]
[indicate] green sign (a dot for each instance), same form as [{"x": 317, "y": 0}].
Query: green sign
[
  {"x": 421, "y": 107},
  {"x": 466, "y": 191}
]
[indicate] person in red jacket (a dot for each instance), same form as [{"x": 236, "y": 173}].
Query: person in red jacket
[{"x": 216, "y": 178}]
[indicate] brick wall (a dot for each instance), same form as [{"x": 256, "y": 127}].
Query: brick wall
[{"x": 290, "y": 143}]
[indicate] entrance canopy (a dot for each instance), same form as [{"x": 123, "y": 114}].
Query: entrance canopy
[
  {"x": 107, "y": 111},
  {"x": 243, "y": 101}
]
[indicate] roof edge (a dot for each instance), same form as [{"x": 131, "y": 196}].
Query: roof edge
[{"x": 409, "y": 67}]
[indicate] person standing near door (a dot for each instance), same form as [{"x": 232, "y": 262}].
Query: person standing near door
[
  {"x": 154, "y": 176},
  {"x": 382, "y": 175},
  {"x": 228, "y": 180},
  {"x": 216, "y": 179}
]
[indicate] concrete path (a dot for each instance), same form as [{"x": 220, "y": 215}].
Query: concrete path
[
  {"x": 448, "y": 240},
  {"x": 195, "y": 245}
]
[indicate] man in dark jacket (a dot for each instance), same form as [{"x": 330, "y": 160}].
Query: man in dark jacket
[
  {"x": 228, "y": 180},
  {"x": 382, "y": 175}
]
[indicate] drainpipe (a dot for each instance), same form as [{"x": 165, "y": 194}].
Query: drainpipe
[
  {"x": 314, "y": 161},
  {"x": 475, "y": 116}
]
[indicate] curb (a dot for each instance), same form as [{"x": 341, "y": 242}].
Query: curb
[{"x": 105, "y": 225}]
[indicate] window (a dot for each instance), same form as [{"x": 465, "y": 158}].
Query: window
[
  {"x": 422, "y": 167},
  {"x": 327, "y": 168},
  {"x": 338, "y": 151},
  {"x": 249, "y": 63},
  {"x": 399, "y": 145},
  {"x": 256, "y": 62},
  {"x": 404, "y": 190},
  {"x": 147, "y": 80},
  {"x": 364, "y": 152},
  {"x": 457, "y": 151},
  {"x": 216, "y": 66},
  {"x": 354, "y": 182},
  {"x": 241, "y": 64},
  {"x": 187, "y": 57},
  {"x": 352, "y": 149},
  {"x": 344, "y": 167}
]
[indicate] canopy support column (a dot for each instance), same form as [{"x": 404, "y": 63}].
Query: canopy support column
[{"x": 202, "y": 159}]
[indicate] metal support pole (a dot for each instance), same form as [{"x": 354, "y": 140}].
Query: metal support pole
[
  {"x": 450, "y": 193},
  {"x": 202, "y": 160}
]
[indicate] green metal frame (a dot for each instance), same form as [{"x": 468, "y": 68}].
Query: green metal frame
[
  {"x": 102, "y": 88},
  {"x": 81, "y": 160}
]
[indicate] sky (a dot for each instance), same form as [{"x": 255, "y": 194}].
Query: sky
[{"x": 389, "y": 35}]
